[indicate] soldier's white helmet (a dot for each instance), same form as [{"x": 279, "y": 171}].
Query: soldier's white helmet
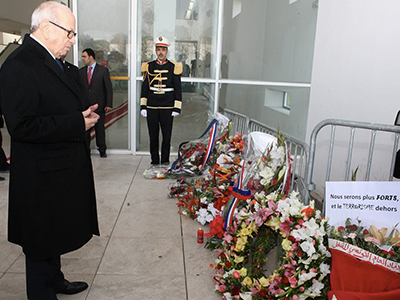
[{"x": 161, "y": 42}]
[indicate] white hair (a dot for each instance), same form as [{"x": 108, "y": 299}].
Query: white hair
[{"x": 48, "y": 10}]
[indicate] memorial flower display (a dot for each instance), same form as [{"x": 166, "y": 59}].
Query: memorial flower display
[
  {"x": 203, "y": 197},
  {"x": 382, "y": 242},
  {"x": 305, "y": 259},
  {"x": 268, "y": 218}
]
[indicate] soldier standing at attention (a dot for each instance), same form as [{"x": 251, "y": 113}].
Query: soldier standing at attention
[{"x": 161, "y": 99}]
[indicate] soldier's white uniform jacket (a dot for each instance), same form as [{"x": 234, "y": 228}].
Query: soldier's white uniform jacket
[{"x": 161, "y": 88}]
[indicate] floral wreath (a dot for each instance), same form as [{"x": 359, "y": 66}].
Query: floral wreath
[{"x": 305, "y": 261}]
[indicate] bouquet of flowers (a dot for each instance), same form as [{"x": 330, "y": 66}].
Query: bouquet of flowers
[
  {"x": 304, "y": 268},
  {"x": 381, "y": 242},
  {"x": 193, "y": 155}
]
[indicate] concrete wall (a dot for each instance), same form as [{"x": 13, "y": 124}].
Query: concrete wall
[{"x": 355, "y": 77}]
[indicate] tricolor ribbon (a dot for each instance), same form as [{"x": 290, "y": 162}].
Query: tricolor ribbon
[
  {"x": 212, "y": 128},
  {"x": 237, "y": 194}
]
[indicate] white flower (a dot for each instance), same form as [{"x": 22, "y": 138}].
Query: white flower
[
  {"x": 315, "y": 289},
  {"x": 312, "y": 227},
  {"x": 308, "y": 247},
  {"x": 323, "y": 250},
  {"x": 267, "y": 174},
  {"x": 203, "y": 200},
  {"x": 324, "y": 269},
  {"x": 300, "y": 234},
  {"x": 212, "y": 209},
  {"x": 227, "y": 296},
  {"x": 313, "y": 257},
  {"x": 246, "y": 296},
  {"x": 305, "y": 277}
]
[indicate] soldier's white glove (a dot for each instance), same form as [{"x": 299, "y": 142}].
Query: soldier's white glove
[
  {"x": 174, "y": 114},
  {"x": 143, "y": 112}
]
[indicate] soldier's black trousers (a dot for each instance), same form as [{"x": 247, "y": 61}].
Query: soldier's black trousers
[{"x": 156, "y": 119}]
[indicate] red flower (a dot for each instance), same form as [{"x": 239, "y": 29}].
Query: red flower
[
  {"x": 216, "y": 227},
  {"x": 262, "y": 293},
  {"x": 235, "y": 290},
  {"x": 352, "y": 227},
  {"x": 228, "y": 264},
  {"x": 308, "y": 211},
  {"x": 285, "y": 280},
  {"x": 365, "y": 231},
  {"x": 340, "y": 228}
]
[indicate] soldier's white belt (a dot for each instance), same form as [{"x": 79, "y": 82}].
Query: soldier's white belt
[{"x": 162, "y": 89}]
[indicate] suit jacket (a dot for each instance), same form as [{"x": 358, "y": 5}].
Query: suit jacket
[
  {"x": 100, "y": 89},
  {"x": 52, "y": 205}
]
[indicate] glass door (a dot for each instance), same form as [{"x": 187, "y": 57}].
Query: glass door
[
  {"x": 190, "y": 26},
  {"x": 110, "y": 39}
]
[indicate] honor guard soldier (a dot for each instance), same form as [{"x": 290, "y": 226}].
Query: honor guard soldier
[{"x": 161, "y": 99}]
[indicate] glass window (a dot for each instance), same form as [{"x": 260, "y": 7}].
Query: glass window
[
  {"x": 110, "y": 40},
  {"x": 190, "y": 27},
  {"x": 187, "y": 126}
]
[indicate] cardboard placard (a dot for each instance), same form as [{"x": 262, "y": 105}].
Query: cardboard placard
[{"x": 372, "y": 202}]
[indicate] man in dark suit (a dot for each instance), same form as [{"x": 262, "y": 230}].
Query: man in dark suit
[
  {"x": 97, "y": 88},
  {"x": 52, "y": 203}
]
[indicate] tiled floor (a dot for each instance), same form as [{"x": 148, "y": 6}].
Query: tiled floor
[{"x": 146, "y": 249}]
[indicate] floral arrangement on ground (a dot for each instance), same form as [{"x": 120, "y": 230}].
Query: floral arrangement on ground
[
  {"x": 381, "y": 242},
  {"x": 305, "y": 260},
  {"x": 203, "y": 197}
]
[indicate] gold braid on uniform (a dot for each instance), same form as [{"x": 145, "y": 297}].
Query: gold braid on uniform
[{"x": 148, "y": 74}]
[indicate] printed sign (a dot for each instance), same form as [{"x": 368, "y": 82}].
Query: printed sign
[{"x": 371, "y": 202}]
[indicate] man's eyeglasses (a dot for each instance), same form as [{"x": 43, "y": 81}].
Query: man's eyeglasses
[{"x": 70, "y": 33}]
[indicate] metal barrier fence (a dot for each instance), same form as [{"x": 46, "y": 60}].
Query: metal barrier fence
[
  {"x": 298, "y": 152},
  {"x": 298, "y": 149},
  {"x": 240, "y": 123},
  {"x": 373, "y": 129},
  {"x": 304, "y": 156}
]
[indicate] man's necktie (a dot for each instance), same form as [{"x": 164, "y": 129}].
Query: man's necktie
[
  {"x": 89, "y": 75},
  {"x": 60, "y": 64}
]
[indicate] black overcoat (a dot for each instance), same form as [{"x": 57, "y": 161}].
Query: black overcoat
[{"x": 52, "y": 203}]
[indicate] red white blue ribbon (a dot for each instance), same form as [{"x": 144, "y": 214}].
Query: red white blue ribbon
[
  {"x": 238, "y": 194},
  {"x": 211, "y": 142}
]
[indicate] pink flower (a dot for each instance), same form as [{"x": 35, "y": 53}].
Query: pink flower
[
  {"x": 372, "y": 240},
  {"x": 236, "y": 274},
  {"x": 222, "y": 288},
  {"x": 293, "y": 282}
]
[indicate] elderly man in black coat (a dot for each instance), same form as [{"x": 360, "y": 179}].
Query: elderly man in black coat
[{"x": 52, "y": 204}]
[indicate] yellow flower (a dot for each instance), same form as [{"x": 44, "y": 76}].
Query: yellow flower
[
  {"x": 245, "y": 232},
  {"x": 286, "y": 245},
  {"x": 396, "y": 239},
  {"x": 243, "y": 272},
  {"x": 273, "y": 222},
  {"x": 238, "y": 259},
  {"x": 264, "y": 282},
  {"x": 247, "y": 281},
  {"x": 241, "y": 242},
  {"x": 253, "y": 226}
]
